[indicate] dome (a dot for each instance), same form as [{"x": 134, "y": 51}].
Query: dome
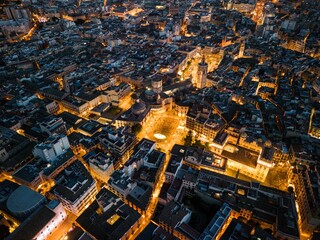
[
  {"x": 23, "y": 201},
  {"x": 138, "y": 107},
  {"x": 150, "y": 95}
]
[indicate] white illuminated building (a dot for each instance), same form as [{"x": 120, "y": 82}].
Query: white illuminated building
[{"x": 53, "y": 147}]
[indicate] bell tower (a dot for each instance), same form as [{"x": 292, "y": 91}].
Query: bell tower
[{"x": 202, "y": 73}]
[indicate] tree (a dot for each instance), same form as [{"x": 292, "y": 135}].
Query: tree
[
  {"x": 188, "y": 139},
  {"x": 197, "y": 143},
  {"x": 135, "y": 129},
  {"x": 207, "y": 146}
]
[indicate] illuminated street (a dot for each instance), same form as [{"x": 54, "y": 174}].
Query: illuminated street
[
  {"x": 166, "y": 124},
  {"x": 62, "y": 230},
  {"x": 153, "y": 203}
]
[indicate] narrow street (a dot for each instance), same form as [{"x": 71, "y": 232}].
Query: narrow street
[
  {"x": 63, "y": 229},
  {"x": 153, "y": 204}
]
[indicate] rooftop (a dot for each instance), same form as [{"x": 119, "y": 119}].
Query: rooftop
[
  {"x": 110, "y": 223},
  {"x": 24, "y": 200}
]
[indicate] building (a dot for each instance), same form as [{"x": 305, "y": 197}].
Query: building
[
  {"x": 121, "y": 184},
  {"x": 156, "y": 83},
  {"x": 72, "y": 121},
  {"x": 135, "y": 180},
  {"x": 42, "y": 223},
  {"x": 314, "y": 125},
  {"x": 239, "y": 230},
  {"x": 144, "y": 155},
  {"x": 248, "y": 162},
  {"x": 138, "y": 114},
  {"x": 116, "y": 93},
  {"x": 202, "y": 73},
  {"x": 75, "y": 105},
  {"x": 202, "y": 159},
  {"x": 295, "y": 45},
  {"x": 75, "y": 188},
  {"x": 242, "y": 49},
  {"x": 218, "y": 224},
  {"x": 77, "y": 233},
  {"x": 53, "y": 147},
  {"x": 12, "y": 122},
  {"x": 23, "y": 201},
  {"x": 176, "y": 157},
  {"x": 173, "y": 216},
  {"x": 181, "y": 108},
  {"x": 10, "y": 143},
  {"x": 132, "y": 78},
  {"x": 89, "y": 127},
  {"x": 203, "y": 121},
  {"x": 246, "y": 157},
  {"x": 53, "y": 125},
  {"x": 66, "y": 85},
  {"x": 109, "y": 218},
  {"x": 52, "y": 107},
  {"x": 100, "y": 165},
  {"x": 14, "y": 28},
  {"x": 243, "y": 7},
  {"x": 269, "y": 207},
  {"x": 119, "y": 142},
  {"x": 305, "y": 186},
  {"x": 92, "y": 99},
  {"x": 16, "y": 13},
  {"x": 39, "y": 171}
]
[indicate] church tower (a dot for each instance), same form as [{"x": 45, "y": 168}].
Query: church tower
[{"x": 202, "y": 73}]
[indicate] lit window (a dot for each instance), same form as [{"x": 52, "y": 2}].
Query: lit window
[
  {"x": 113, "y": 219},
  {"x": 241, "y": 191}
]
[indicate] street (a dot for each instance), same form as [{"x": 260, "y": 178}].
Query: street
[
  {"x": 153, "y": 204},
  {"x": 62, "y": 230},
  {"x": 171, "y": 127}
]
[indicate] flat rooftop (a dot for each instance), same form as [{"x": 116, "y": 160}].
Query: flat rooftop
[{"x": 242, "y": 155}]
